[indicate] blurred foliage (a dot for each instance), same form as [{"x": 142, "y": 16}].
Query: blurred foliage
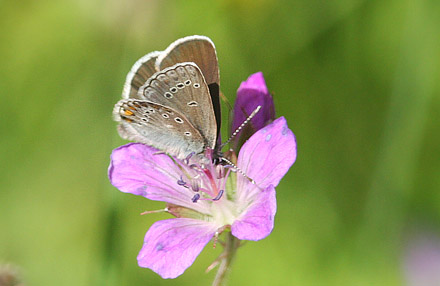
[{"x": 356, "y": 80}]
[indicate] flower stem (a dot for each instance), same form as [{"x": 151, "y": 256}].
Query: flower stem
[{"x": 228, "y": 255}]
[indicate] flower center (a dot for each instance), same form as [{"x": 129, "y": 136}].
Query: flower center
[
  {"x": 206, "y": 179},
  {"x": 212, "y": 185}
]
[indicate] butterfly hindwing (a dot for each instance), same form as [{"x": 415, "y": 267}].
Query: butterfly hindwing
[
  {"x": 182, "y": 87},
  {"x": 140, "y": 72},
  {"x": 159, "y": 126}
]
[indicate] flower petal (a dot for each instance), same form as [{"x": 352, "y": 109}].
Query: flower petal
[
  {"x": 172, "y": 245},
  {"x": 255, "y": 81},
  {"x": 138, "y": 169},
  {"x": 257, "y": 221},
  {"x": 266, "y": 157},
  {"x": 252, "y": 93}
]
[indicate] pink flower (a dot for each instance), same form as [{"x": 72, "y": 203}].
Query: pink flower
[{"x": 205, "y": 197}]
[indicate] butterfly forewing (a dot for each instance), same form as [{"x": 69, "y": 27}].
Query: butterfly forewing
[
  {"x": 159, "y": 126},
  {"x": 141, "y": 71},
  {"x": 182, "y": 87},
  {"x": 197, "y": 49},
  {"x": 201, "y": 51}
]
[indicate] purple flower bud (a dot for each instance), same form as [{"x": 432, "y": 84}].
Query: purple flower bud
[{"x": 251, "y": 94}]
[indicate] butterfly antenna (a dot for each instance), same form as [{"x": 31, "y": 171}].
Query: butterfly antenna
[
  {"x": 241, "y": 126},
  {"x": 238, "y": 169}
]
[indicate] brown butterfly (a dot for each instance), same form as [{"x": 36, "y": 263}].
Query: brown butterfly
[{"x": 171, "y": 99}]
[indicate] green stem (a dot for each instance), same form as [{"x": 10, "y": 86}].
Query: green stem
[{"x": 231, "y": 246}]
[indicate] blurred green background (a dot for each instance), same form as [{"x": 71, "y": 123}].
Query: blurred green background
[{"x": 358, "y": 82}]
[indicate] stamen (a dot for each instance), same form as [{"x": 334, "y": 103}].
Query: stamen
[
  {"x": 195, "y": 167},
  {"x": 218, "y": 197},
  {"x": 186, "y": 160},
  {"x": 220, "y": 171},
  {"x": 195, "y": 186},
  {"x": 195, "y": 198},
  {"x": 181, "y": 182},
  {"x": 220, "y": 194}
]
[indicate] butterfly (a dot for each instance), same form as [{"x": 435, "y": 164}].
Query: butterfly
[{"x": 170, "y": 99}]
